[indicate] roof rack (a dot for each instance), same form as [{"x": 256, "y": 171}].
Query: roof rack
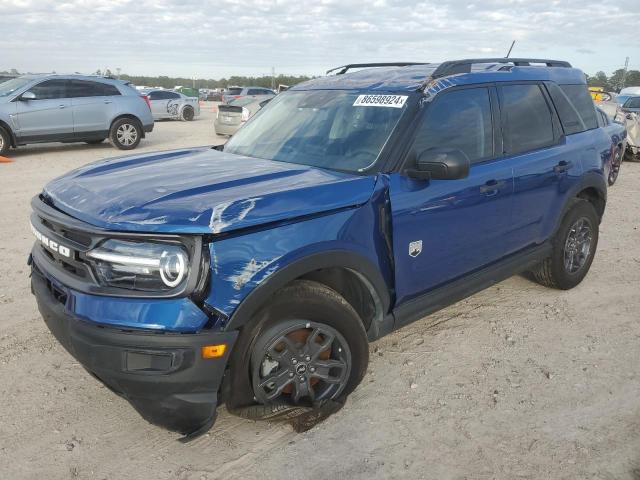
[
  {"x": 345, "y": 68},
  {"x": 464, "y": 66}
]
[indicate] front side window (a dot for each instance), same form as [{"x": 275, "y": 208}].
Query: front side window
[
  {"x": 459, "y": 120},
  {"x": 339, "y": 130},
  {"x": 528, "y": 123},
  {"x": 50, "y": 89}
]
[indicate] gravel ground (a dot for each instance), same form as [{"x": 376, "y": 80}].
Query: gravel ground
[{"x": 517, "y": 381}]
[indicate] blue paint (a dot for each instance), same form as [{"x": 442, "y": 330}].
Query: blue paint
[{"x": 260, "y": 216}]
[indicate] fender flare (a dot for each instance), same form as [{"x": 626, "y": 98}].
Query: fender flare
[
  {"x": 326, "y": 259},
  {"x": 589, "y": 180}
]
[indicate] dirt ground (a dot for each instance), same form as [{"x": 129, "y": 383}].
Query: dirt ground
[{"x": 517, "y": 381}]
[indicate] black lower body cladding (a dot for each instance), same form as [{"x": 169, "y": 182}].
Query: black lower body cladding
[{"x": 163, "y": 376}]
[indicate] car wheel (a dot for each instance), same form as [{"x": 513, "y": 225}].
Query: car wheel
[
  {"x": 188, "y": 114},
  {"x": 125, "y": 134},
  {"x": 574, "y": 247},
  {"x": 306, "y": 348},
  {"x": 615, "y": 166},
  {"x": 5, "y": 141},
  {"x": 95, "y": 142}
]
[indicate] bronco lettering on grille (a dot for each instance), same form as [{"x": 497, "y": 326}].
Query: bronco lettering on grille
[{"x": 51, "y": 244}]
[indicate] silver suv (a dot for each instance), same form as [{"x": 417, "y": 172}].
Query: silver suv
[{"x": 72, "y": 108}]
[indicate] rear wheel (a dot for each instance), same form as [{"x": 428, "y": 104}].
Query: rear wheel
[
  {"x": 5, "y": 141},
  {"x": 574, "y": 247},
  {"x": 188, "y": 114},
  {"x": 615, "y": 166},
  {"x": 307, "y": 347},
  {"x": 125, "y": 134}
]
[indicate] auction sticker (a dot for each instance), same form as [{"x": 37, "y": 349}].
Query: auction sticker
[{"x": 394, "y": 101}]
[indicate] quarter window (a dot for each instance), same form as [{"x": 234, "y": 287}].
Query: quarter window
[
  {"x": 527, "y": 120},
  {"x": 582, "y": 101},
  {"x": 459, "y": 120}
]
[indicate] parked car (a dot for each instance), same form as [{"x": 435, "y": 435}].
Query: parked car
[
  {"x": 71, "y": 108},
  {"x": 231, "y": 117},
  {"x": 255, "y": 273},
  {"x": 166, "y": 104},
  {"x": 629, "y": 113},
  {"x": 256, "y": 93},
  {"x": 618, "y": 134}
]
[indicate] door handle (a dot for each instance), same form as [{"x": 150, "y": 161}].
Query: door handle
[
  {"x": 563, "y": 166},
  {"x": 492, "y": 186},
  {"x": 62, "y": 106},
  {"x": 108, "y": 101}
]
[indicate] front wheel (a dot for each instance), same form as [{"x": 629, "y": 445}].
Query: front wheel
[
  {"x": 125, "y": 134},
  {"x": 305, "y": 348},
  {"x": 574, "y": 247},
  {"x": 5, "y": 141}
]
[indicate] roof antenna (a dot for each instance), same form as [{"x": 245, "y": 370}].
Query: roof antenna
[{"x": 510, "y": 48}]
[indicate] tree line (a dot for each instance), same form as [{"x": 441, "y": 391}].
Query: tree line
[
  {"x": 237, "y": 80},
  {"x": 616, "y": 82}
]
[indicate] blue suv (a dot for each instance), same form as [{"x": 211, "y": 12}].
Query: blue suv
[{"x": 255, "y": 274}]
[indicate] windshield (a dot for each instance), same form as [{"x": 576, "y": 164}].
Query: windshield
[
  {"x": 622, "y": 98},
  {"x": 323, "y": 128},
  {"x": 10, "y": 86}
]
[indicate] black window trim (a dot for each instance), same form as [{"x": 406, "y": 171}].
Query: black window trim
[
  {"x": 558, "y": 132},
  {"x": 407, "y": 153}
]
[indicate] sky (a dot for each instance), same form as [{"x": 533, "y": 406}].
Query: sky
[{"x": 219, "y": 38}]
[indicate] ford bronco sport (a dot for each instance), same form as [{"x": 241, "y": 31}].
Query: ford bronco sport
[{"x": 255, "y": 274}]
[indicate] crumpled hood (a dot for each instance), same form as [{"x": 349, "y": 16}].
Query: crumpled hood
[{"x": 200, "y": 190}]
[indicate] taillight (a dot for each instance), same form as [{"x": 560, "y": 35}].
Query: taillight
[{"x": 147, "y": 101}]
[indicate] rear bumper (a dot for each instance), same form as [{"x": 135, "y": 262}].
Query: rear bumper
[
  {"x": 224, "y": 128},
  {"x": 163, "y": 375}
]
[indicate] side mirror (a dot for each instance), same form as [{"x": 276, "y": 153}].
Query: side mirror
[
  {"x": 441, "y": 164},
  {"x": 28, "y": 96}
]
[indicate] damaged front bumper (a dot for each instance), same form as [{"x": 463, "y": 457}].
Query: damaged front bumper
[{"x": 163, "y": 375}]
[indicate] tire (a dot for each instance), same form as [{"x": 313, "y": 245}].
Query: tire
[
  {"x": 125, "y": 134},
  {"x": 188, "y": 114},
  {"x": 559, "y": 270},
  {"x": 616, "y": 162},
  {"x": 95, "y": 142},
  {"x": 5, "y": 141},
  {"x": 302, "y": 308}
]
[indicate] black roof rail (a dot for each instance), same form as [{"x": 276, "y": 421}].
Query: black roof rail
[
  {"x": 345, "y": 68},
  {"x": 464, "y": 66}
]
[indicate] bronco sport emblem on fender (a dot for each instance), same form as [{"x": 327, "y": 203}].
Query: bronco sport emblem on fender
[{"x": 415, "y": 248}]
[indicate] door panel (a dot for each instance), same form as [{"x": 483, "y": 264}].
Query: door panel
[
  {"x": 49, "y": 116},
  {"x": 444, "y": 229},
  {"x": 460, "y": 223}
]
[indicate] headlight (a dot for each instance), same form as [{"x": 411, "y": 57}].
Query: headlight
[{"x": 143, "y": 266}]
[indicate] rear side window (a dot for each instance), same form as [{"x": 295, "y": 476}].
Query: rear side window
[
  {"x": 234, "y": 91},
  {"x": 50, "y": 89},
  {"x": 255, "y": 91},
  {"x": 459, "y": 120},
  {"x": 527, "y": 120},
  {"x": 84, "y": 88},
  {"x": 583, "y": 103}
]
